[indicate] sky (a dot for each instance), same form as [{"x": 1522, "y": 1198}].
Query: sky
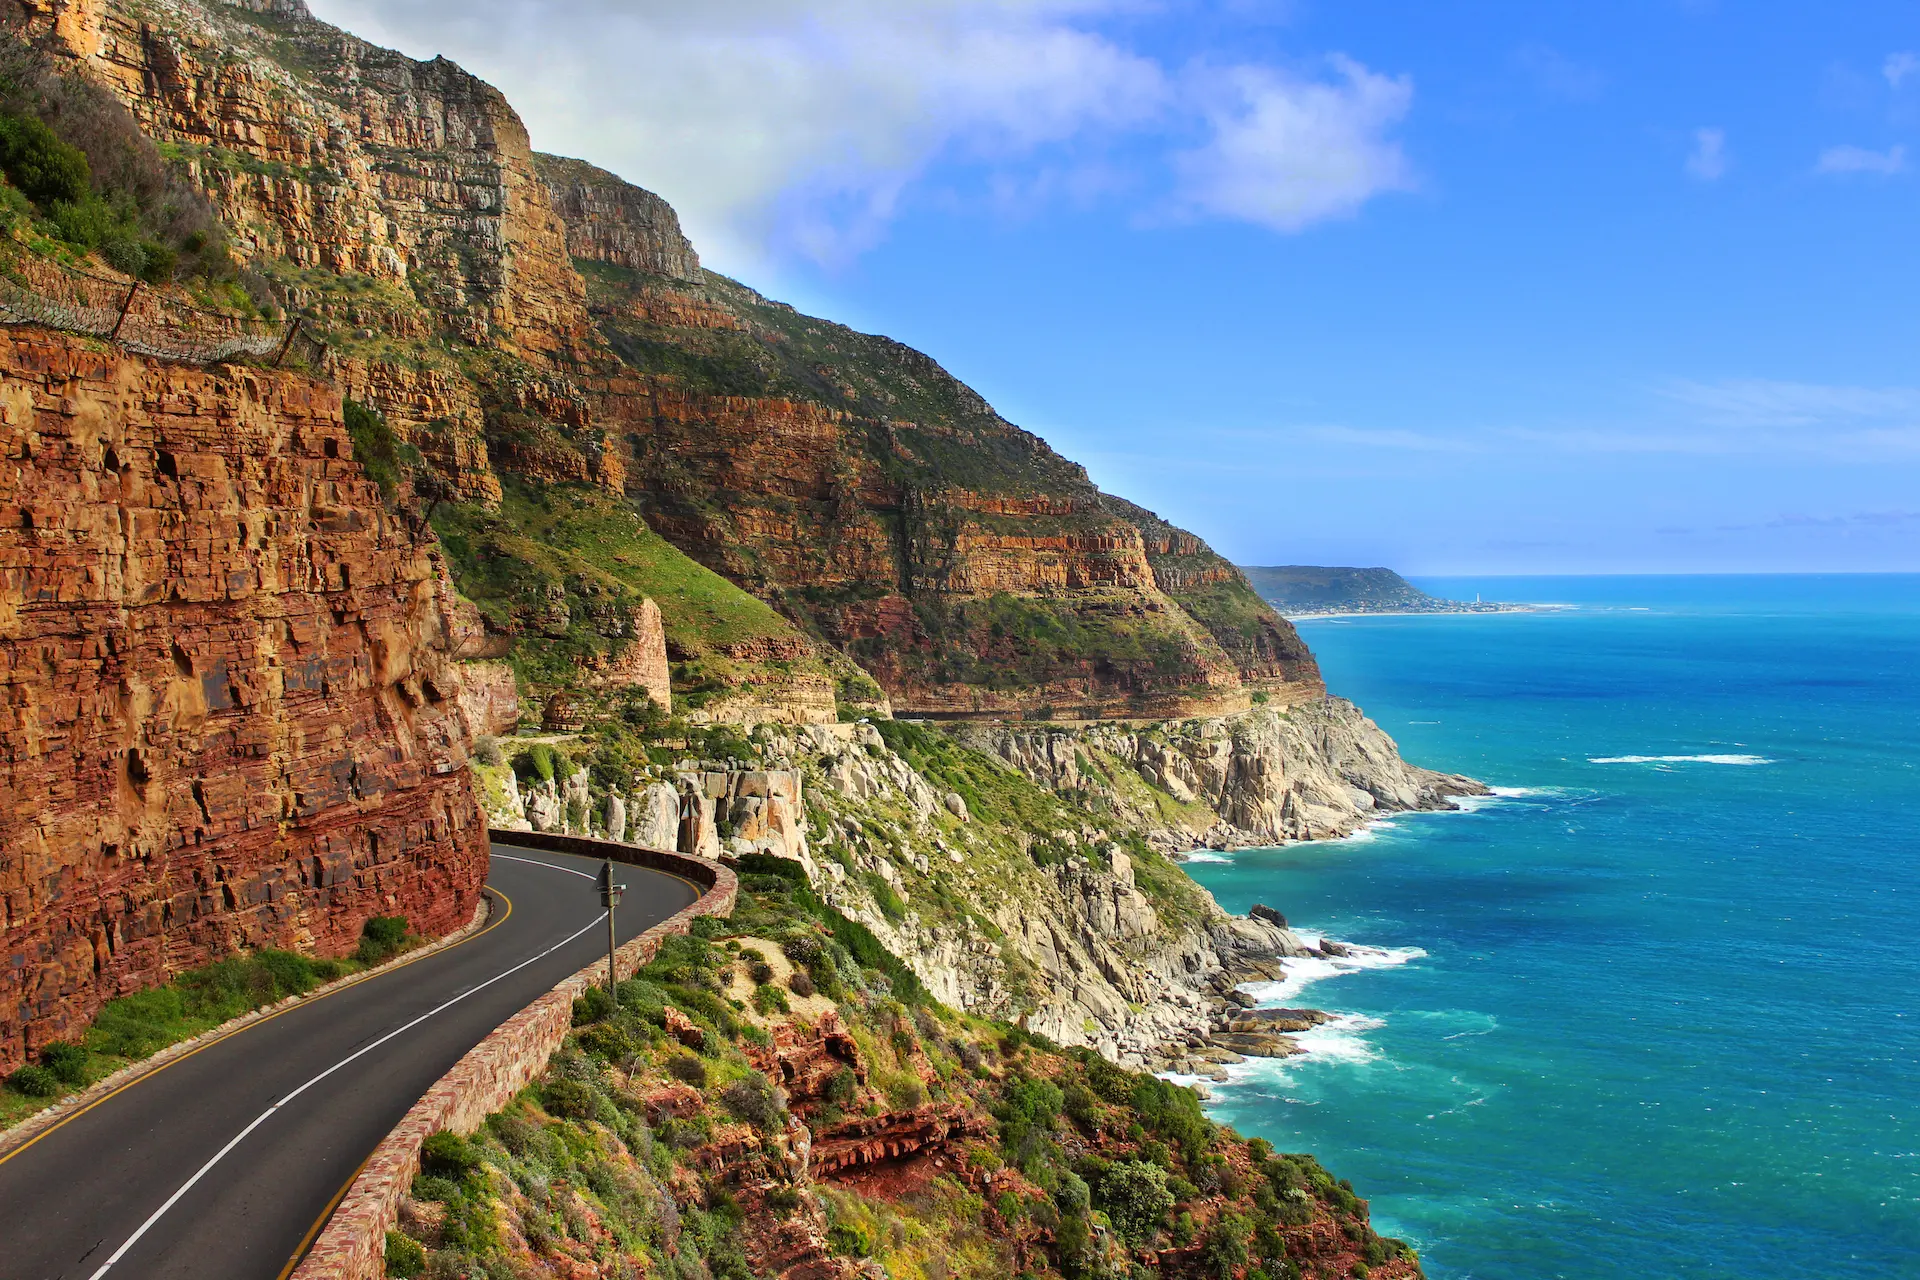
[{"x": 1475, "y": 287}]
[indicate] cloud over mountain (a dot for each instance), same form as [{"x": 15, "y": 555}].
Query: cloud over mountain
[{"x": 802, "y": 128}]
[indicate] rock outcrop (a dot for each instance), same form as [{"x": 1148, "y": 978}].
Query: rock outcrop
[
  {"x": 227, "y": 705},
  {"x": 1304, "y": 773},
  {"x": 617, "y": 223}
]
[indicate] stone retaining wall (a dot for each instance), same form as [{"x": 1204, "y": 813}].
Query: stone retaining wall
[{"x": 352, "y": 1246}]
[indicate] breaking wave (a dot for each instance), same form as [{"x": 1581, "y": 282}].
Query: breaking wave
[{"x": 1703, "y": 759}]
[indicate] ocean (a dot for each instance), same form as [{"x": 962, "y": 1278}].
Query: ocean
[{"x": 1653, "y": 1010}]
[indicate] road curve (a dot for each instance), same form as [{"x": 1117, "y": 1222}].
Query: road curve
[{"x": 105, "y": 1194}]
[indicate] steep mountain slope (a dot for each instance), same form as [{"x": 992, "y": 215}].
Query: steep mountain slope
[{"x": 521, "y": 319}]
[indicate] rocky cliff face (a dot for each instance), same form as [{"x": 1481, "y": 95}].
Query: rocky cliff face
[
  {"x": 616, "y": 222},
  {"x": 227, "y": 709},
  {"x": 1030, "y": 873},
  {"x": 535, "y": 322},
  {"x": 1304, "y": 773}
]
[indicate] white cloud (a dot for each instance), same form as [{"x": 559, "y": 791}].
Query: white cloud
[
  {"x": 1556, "y": 74},
  {"x": 1287, "y": 152},
  {"x": 1763, "y": 402},
  {"x": 1899, "y": 66},
  {"x": 1850, "y": 159},
  {"x": 805, "y": 126},
  {"x": 1708, "y": 160},
  {"x": 1396, "y": 439}
]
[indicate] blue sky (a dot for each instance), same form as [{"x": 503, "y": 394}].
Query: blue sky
[{"x": 1473, "y": 287}]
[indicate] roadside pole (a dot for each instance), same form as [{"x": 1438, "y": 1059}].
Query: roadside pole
[{"x": 610, "y": 898}]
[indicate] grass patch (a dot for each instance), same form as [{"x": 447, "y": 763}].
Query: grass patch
[
  {"x": 572, "y": 546},
  {"x": 194, "y": 1001}
]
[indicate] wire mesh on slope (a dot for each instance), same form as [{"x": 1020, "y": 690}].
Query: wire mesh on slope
[{"x": 41, "y": 292}]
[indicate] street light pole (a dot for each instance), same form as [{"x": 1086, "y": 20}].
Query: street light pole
[{"x": 610, "y": 898}]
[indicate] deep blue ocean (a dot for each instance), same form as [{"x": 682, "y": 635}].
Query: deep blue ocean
[{"x": 1654, "y": 1011}]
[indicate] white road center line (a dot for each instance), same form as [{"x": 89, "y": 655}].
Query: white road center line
[
  {"x": 264, "y": 1116},
  {"x": 551, "y": 866}
]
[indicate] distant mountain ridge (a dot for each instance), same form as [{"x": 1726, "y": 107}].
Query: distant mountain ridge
[{"x": 1302, "y": 588}]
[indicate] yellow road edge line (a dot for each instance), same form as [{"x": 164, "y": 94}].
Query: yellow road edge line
[
  {"x": 306, "y": 1241},
  {"x": 355, "y": 981}
]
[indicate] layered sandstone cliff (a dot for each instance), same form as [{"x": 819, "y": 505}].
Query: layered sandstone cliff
[
  {"x": 227, "y": 710},
  {"x": 529, "y": 321}
]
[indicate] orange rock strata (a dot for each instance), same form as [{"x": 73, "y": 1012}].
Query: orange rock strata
[{"x": 227, "y": 713}]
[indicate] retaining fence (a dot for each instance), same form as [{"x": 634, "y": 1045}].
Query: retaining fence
[
  {"x": 352, "y": 1245},
  {"x": 42, "y": 292}
]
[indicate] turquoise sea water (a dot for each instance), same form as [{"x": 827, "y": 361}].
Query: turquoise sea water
[{"x": 1648, "y": 1018}]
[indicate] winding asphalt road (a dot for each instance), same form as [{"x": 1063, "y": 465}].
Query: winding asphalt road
[{"x": 275, "y": 1119}]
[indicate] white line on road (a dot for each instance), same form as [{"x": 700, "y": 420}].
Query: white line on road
[
  {"x": 264, "y": 1116},
  {"x": 551, "y": 866}
]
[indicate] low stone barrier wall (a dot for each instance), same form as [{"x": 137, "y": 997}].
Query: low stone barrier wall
[{"x": 352, "y": 1245}]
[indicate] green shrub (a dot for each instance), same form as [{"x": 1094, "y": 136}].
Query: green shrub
[
  {"x": 382, "y": 938},
  {"x": 48, "y": 170},
  {"x": 380, "y": 453},
  {"x": 592, "y": 1005},
  {"x": 448, "y": 1155},
  {"x": 768, "y": 998},
  {"x": 903, "y": 1090},
  {"x": 850, "y": 1240},
  {"x": 1225, "y": 1249},
  {"x": 68, "y": 1062},
  {"x": 568, "y": 1099},
  {"x": 688, "y": 1069},
  {"x": 767, "y": 864},
  {"x": 536, "y": 763},
  {"x": 35, "y": 1082},
  {"x": 1135, "y": 1197},
  {"x": 841, "y": 1088},
  {"x": 405, "y": 1257},
  {"x": 606, "y": 1040},
  {"x": 751, "y": 1098},
  {"x": 431, "y": 1186}
]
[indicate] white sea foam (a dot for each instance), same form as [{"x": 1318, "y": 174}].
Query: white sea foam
[
  {"x": 1371, "y": 831},
  {"x": 1516, "y": 793},
  {"x": 1702, "y": 759},
  {"x": 1204, "y": 855},
  {"x": 1342, "y": 1040},
  {"x": 1303, "y": 971},
  {"x": 1474, "y": 804}
]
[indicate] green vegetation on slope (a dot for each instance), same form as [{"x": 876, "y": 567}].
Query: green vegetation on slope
[
  {"x": 191, "y": 1002},
  {"x": 559, "y": 566},
  {"x": 1007, "y": 643},
  {"x": 82, "y": 178},
  {"x": 666, "y": 1152}
]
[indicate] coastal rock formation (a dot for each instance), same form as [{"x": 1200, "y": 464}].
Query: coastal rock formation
[
  {"x": 877, "y": 500},
  {"x": 228, "y": 707},
  {"x": 1303, "y": 773}
]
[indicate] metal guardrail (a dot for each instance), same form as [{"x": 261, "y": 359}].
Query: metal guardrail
[{"x": 131, "y": 315}]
